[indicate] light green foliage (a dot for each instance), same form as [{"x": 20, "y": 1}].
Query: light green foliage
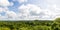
[{"x": 4, "y": 28}]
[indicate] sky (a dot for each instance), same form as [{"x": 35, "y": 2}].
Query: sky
[{"x": 29, "y": 9}]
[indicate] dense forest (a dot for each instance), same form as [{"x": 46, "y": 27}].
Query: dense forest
[{"x": 30, "y": 25}]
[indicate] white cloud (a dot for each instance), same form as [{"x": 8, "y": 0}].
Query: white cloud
[
  {"x": 11, "y": 14},
  {"x": 52, "y": 10},
  {"x": 34, "y": 8},
  {"x": 36, "y": 11},
  {"x": 8, "y": 14},
  {"x": 4, "y": 3},
  {"x": 30, "y": 7},
  {"x": 21, "y": 1},
  {"x": 31, "y": 11},
  {"x": 53, "y": 1},
  {"x": 3, "y": 9},
  {"x": 26, "y": 11},
  {"x": 49, "y": 13}
]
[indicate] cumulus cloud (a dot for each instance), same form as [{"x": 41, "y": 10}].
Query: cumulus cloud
[
  {"x": 10, "y": 14},
  {"x": 35, "y": 12},
  {"x": 31, "y": 11},
  {"x": 5, "y": 3},
  {"x": 30, "y": 8},
  {"x": 26, "y": 11},
  {"x": 3, "y": 9}
]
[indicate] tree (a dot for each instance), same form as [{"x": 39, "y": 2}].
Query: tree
[{"x": 57, "y": 19}]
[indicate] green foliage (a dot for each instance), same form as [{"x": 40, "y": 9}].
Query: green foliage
[
  {"x": 30, "y": 25},
  {"x": 4, "y": 28},
  {"x": 57, "y": 19}
]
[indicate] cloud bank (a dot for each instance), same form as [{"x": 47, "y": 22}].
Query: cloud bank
[{"x": 29, "y": 10}]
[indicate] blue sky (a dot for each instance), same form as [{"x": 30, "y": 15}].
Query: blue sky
[{"x": 29, "y": 9}]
